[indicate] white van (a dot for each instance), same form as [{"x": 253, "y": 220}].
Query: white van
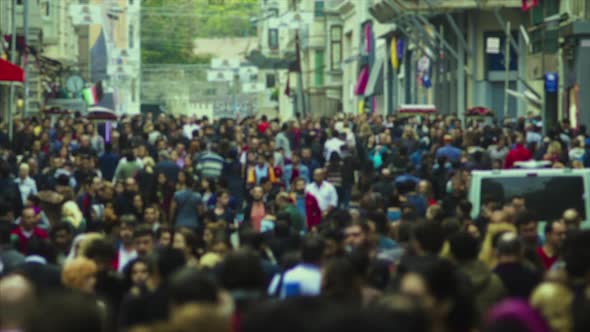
[{"x": 548, "y": 192}]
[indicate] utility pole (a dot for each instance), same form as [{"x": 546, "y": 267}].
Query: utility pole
[
  {"x": 506, "y": 68},
  {"x": 300, "y": 102},
  {"x": 13, "y": 60},
  {"x": 26, "y": 55},
  {"x": 461, "y": 81}
]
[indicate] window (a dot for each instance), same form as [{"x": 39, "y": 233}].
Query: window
[
  {"x": 133, "y": 90},
  {"x": 319, "y": 68},
  {"x": 547, "y": 196},
  {"x": 131, "y": 35},
  {"x": 270, "y": 80},
  {"x": 273, "y": 39},
  {"x": 318, "y": 8},
  {"x": 46, "y": 8},
  {"x": 274, "y": 12},
  {"x": 335, "y": 47}
]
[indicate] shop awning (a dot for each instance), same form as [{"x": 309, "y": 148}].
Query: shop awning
[
  {"x": 10, "y": 72},
  {"x": 375, "y": 84},
  {"x": 361, "y": 83}
]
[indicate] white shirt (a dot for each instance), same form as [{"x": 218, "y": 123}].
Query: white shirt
[
  {"x": 334, "y": 144},
  {"x": 26, "y": 187},
  {"x": 302, "y": 280},
  {"x": 188, "y": 129},
  {"x": 125, "y": 257},
  {"x": 325, "y": 194}
]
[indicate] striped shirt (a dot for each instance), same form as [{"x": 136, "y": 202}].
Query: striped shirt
[{"x": 209, "y": 165}]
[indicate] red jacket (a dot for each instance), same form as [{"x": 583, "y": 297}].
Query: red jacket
[
  {"x": 519, "y": 153},
  {"x": 21, "y": 241},
  {"x": 312, "y": 211}
]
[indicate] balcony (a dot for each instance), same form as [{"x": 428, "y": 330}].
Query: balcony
[{"x": 386, "y": 10}]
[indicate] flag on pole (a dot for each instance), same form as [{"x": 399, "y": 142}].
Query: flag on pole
[{"x": 93, "y": 95}]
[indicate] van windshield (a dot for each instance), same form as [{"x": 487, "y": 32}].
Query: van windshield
[{"x": 549, "y": 197}]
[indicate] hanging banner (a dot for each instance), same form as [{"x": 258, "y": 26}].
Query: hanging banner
[{"x": 393, "y": 54}]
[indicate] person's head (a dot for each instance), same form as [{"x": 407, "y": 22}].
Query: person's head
[
  {"x": 242, "y": 270},
  {"x": 427, "y": 238},
  {"x": 137, "y": 271},
  {"x": 80, "y": 274},
  {"x": 143, "y": 238},
  {"x": 184, "y": 240},
  {"x": 442, "y": 292},
  {"x": 519, "y": 203},
  {"x": 299, "y": 185},
  {"x": 188, "y": 285},
  {"x": 340, "y": 281},
  {"x": 23, "y": 171},
  {"x": 319, "y": 175},
  {"x": 572, "y": 219},
  {"x": 555, "y": 234},
  {"x": 131, "y": 185},
  {"x": 527, "y": 227},
  {"x": 554, "y": 301},
  {"x": 509, "y": 247},
  {"x": 514, "y": 315},
  {"x": 126, "y": 229},
  {"x": 17, "y": 298},
  {"x": 356, "y": 235},
  {"x": 164, "y": 236},
  {"x": 312, "y": 250},
  {"x": 28, "y": 219},
  {"x": 257, "y": 194},
  {"x": 332, "y": 243},
  {"x": 61, "y": 236},
  {"x": 464, "y": 247},
  {"x": 306, "y": 154},
  {"x": 150, "y": 215}
]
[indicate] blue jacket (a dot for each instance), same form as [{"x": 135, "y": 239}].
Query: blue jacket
[{"x": 288, "y": 173}]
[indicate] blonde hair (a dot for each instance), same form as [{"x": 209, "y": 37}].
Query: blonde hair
[
  {"x": 72, "y": 214},
  {"x": 76, "y": 272},
  {"x": 554, "y": 302}
]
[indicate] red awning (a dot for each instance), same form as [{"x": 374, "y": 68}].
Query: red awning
[{"x": 10, "y": 72}]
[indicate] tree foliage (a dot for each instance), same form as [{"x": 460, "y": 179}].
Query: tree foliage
[{"x": 169, "y": 38}]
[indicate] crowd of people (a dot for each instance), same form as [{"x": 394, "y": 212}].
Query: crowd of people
[{"x": 163, "y": 223}]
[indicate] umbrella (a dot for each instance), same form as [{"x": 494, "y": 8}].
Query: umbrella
[{"x": 98, "y": 113}]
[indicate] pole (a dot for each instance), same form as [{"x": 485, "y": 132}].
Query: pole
[
  {"x": 26, "y": 57},
  {"x": 507, "y": 68},
  {"x": 461, "y": 80},
  {"x": 300, "y": 104},
  {"x": 11, "y": 109}
]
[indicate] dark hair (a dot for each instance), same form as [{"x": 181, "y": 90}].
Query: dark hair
[
  {"x": 549, "y": 226},
  {"x": 5, "y": 230},
  {"x": 169, "y": 260},
  {"x": 128, "y": 269},
  {"x": 445, "y": 283},
  {"x": 341, "y": 281},
  {"x": 242, "y": 270},
  {"x": 66, "y": 312},
  {"x": 380, "y": 221},
  {"x": 464, "y": 247},
  {"x": 525, "y": 217},
  {"x": 101, "y": 250},
  {"x": 163, "y": 229},
  {"x": 429, "y": 235},
  {"x": 189, "y": 285},
  {"x": 312, "y": 249},
  {"x": 143, "y": 230}
]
